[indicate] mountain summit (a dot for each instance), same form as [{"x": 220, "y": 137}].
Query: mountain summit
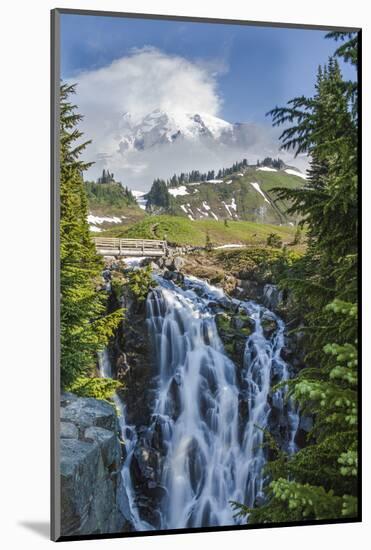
[
  {"x": 141, "y": 147},
  {"x": 159, "y": 128}
]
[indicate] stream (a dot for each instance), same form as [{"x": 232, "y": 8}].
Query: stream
[{"x": 209, "y": 413}]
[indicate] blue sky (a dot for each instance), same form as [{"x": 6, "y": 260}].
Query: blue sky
[{"x": 255, "y": 68}]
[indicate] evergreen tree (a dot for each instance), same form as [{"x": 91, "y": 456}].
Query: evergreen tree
[
  {"x": 85, "y": 329},
  {"x": 320, "y": 480},
  {"x": 158, "y": 195}
]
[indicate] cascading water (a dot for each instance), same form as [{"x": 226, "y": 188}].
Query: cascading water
[
  {"x": 211, "y": 453},
  {"x": 129, "y": 436},
  {"x": 208, "y": 461}
]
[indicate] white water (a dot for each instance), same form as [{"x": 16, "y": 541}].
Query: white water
[
  {"x": 212, "y": 454},
  {"x": 129, "y": 437}
]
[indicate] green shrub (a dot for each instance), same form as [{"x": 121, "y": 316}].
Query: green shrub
[
  {"x": 274, "y": 240},
  {"x": 258, "y": 264},
  {"x": 140, "y": 282},
  {"x": 99, "y": 388}
]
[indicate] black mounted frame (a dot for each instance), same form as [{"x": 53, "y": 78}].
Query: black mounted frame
[{"x": 55, "y": 271}]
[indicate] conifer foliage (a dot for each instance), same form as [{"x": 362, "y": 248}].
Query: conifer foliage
[
  {"x": 85, "y": 327},
  {"x": 320, "y": 480}
]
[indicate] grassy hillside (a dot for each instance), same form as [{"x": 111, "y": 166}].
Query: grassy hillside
[
  {"x": 182, "y": 231},
  {"x": 245, "y": 196}
]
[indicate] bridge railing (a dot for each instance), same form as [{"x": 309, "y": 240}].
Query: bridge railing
[{"x": 113, "y": 246}]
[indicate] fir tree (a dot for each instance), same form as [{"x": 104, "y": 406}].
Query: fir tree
[
  {"x": 85, "y": 329},
  {"x": 320, "y": 480}
]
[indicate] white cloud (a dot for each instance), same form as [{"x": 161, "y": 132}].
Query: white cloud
[
  {"x": 149, "y": 79},
  {"x": 145, "y": 80}
]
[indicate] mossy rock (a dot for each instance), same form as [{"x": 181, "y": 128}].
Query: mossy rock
[
  {"x": 223, "y": 321},
  {"x": 229, "y": 348},
  {"x": 269, "y": 327},
  {"x": 217, "y": 278},
  {"x": 234, "y": 325},
  {"x": 234, "y": 329},
  {"x": 242, "y": 322}
]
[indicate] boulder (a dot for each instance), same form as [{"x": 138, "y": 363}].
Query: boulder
[
  {"x": 68, "y": 430},
  {"x": 178, "y": 263},
  {"x": 269, "y": 324},
  {"x": 85, "y": 412},
  {"x": 176, "y": 276},
  {"x": 93, "y": 498},
  {"x": 272, "y": 296},
  {"x": 247, "y": 289},
  {"x": 155, "y": 266}
]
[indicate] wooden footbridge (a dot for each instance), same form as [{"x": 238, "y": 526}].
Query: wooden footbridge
[{"x": 107, "y": 246}]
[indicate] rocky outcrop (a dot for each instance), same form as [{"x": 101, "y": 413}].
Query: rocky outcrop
[{"x": 93, "y": 498}]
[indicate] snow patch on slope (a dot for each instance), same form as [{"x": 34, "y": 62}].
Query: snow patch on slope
[
  {"x": 178, "y": 191},
  {"x": 232, "y": 206},
  {"x": 256, "y": 186},
  {"x": 267, "y": 169},
  {"x": 97, "y": 220},
  {"x": 296, "y": 173}
]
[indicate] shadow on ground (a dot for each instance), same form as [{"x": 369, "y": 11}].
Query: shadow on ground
[{"x": 41, "y": 528}]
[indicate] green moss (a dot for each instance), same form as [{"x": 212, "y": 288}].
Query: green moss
[
  {"x": 223, "y": 321},
  {"x": 246, "y": 331}
]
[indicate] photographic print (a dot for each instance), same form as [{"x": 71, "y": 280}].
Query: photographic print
[{"x": 205, "y": 202}]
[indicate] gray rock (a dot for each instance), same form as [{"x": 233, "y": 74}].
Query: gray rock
[
  {"x": 306, "y": 423},
  {"x": 175, "y": 276},
  {"x": 272, "y": 296},
  {"x": 93, "y": 499},
  {"x": 68, "y": 431},
  {"x": 178, "y": 263},
  {"x": 248, "y": 290},
  {"x": 109, "y": 446},
  {"x": 85, "y": 412},
  {"x": 67, "y": 398}
]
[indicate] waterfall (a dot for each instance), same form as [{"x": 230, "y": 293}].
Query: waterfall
[
  {"x": 208, "y": 461},
  {"x": 128, "y": 435},
  {"x": 212, "y": 453}
]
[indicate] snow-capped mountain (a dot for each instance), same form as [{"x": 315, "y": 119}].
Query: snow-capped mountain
[
  {"x": 160, "y": 128},
  {"x": 139, "y": 148}
]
